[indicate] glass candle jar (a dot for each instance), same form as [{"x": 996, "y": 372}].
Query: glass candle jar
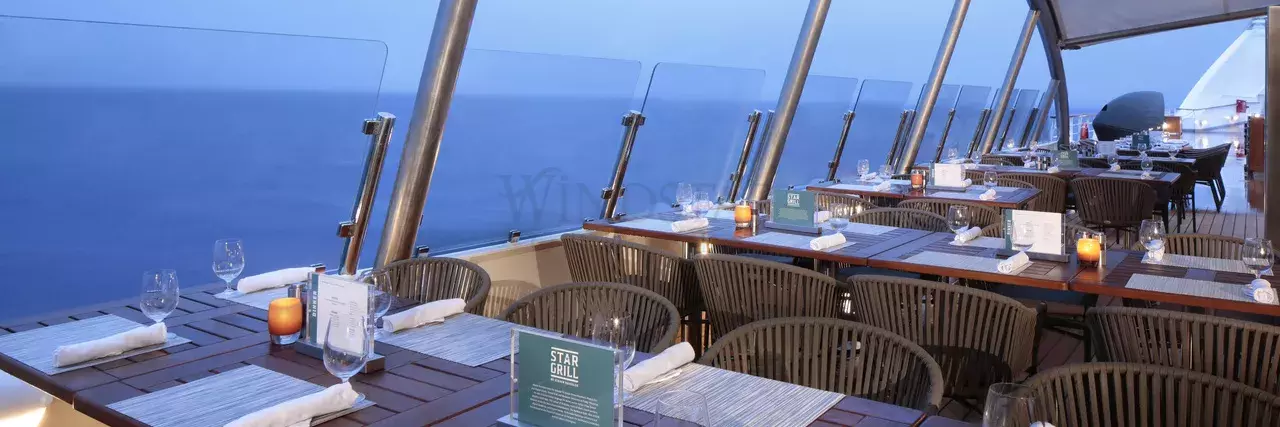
[
  {"x": 284, "y": 320},
  {"x": 917, "y": 180},
  {"x": 742, "y": 213},
  {"x": 1089, "y": 248}
]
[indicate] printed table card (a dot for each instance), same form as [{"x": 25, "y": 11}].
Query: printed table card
[
  {"x": 792, "y": 207},
  {"x": 1039, "y": 232},
  {"x": 1106, "y": 148},
  {"x": 1068, "y": 159},
  {"x": 563, "y": 382},
  {"x": 948, "y": 175},
  {"x": 332, "y": 297}
]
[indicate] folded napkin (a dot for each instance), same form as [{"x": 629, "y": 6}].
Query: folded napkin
[
  {"x": 826, "y": 242},
  {"x": 882, "y": 186},
  {"x": 421, "y": 315},
  {"x": 821, "y": 216},
  {"x": 273, "y": 279},
  {"x": 1053, "y": 169},
  {"x": 296, "y": 411},
  {"x": 1259, "y": 284},
  {"x": 1013, "y": 263},
  {"x": 1145, "y": 175},
  {"x": 1115, "y": 167},
  {"x": 658, "y": 365},
  {"x": 967, "y": 235},
  {"x": 988, "y": 195},
  {"x": 144, "y": 336},
  {"x": 869, "y": 176},
  {"x": 968, "y": 182},
  {"x": 1265, "y": 296},
  {"x": 689, "y": 224}
]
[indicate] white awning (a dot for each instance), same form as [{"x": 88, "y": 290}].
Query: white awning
[{"x": 1085, "y": 22}]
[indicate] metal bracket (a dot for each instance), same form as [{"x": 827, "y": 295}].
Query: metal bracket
[
  {"x": 346, "y": 229},
  {"x": 607, "y": 193},
  {"x": 513, "y": 236},
  {"x": 371, "y": 127},
  {"x": 421, "y": 251}
]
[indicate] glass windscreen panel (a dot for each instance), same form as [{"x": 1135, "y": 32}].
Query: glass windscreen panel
[
  {"x": 1027, "y": 100},
  {"x": 878, "y": 111},
  {"x": 132, "y": 147},
  {"x": 969, "y": 106},
  {"x": 1001, "y": 128},
  {"x": 947, "y": 96},
  {"x": 694, "y": 129},
  {"x": 815, "y": 130},
  {"x": 530, "y": 141}
]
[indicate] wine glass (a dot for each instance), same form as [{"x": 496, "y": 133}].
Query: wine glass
[
  {"x": 1024, "y": 236},
  {"x": 228, "y": 262},
  {"x": 976, "y": 157},
  {"x": 1146, "y": 165},
  {"x": 615, "y": 331},
  {"x": 989, "y": 179},
  {"x": 839, "y": 216},
  {"x": 1009, "y": 405},
  {"x": 381, "y": 295},
  {"x": 952, "y": 155},
  {"x": 682, "y": 408},
  {"x": 159, "y": 294},
  {"x": 886, "y": 171},
  {"x": 1011, "y": 146},
  {"x": 701, "y": 204},
  {"x": 1257, "y": 255},
  {"x": 346, "y": 345},
  {"x": 1151, "y": 234},
  {"x": 684, "y": 197},
  {"x": 1112, "y": 160},
  {"x": 958, "y": 218},
  {"x": 864, "y": 166}
]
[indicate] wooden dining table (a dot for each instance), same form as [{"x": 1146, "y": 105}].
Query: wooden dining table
[
  {"x": 1193, "y": 287},
  {"x": 1006, "y": 197}
]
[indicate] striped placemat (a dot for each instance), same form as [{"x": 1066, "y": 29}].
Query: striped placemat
[
  {"x": 1181, "y": 286},
  {"x": 984, "y": 242},
  {"x": 465, "y": 338},
  {"x": 735, "y": 399},
  {"x": 868, "y": 229},
  {"x": 35, "y": 347},
  {"x": 1203, "y": 263},
  {"x": 961, "y": 262},
  {"x": 222, "y": 398},
  {"x": 789, "y": 241},
  {"x": 1154, "y": 175},
  {"x": 654, "y": 225},
  {"x": 261, "y": 299}
]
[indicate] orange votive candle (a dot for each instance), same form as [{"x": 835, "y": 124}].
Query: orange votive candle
[
  {"x": 284, "y": 316},
  {"x": 1088, "y": 249},
  {"x": 742, "y": 214}
]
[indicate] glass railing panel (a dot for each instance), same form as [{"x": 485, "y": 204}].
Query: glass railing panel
[
  {"x": 530, "y": 141},
  {"x": 1027, "y": 100},
  {"x": 815, "y": 131},
  {"x": 879, "y": 108},
  {"x": 1001, "y": 142},
  {"x": 695, "y": 124},
  {"x": 133, "y": 147},
  {"x": 969, "y": 105},
  {"x": 947, "y": 96}
]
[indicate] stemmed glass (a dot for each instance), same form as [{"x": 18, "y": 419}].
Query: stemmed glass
[
  {"x": 1146, "y": 165},
  {"x": 958, "y": 218},
  {"x": 228, "y": 262},
  {"x": 1024, "y": 237},
  {"x": 159, "y": 294},
  {"x": 615, "y": 331},
  {"x": 864, "y": 166},
  {"x": 953, "y": 155},
  {"x": 347, "y": 345},
  {"x": 1257, "y": 255},
  {"x": 839, "y": 216},
  {"x": 682, "y": 408},
  {"x": 381, "y": 295},
  {"x": 886, "y": 171},
  {"x": 976, "y": 157},
  {"x": 989, "y": 179},
  {"x": 1009, "y": 405},
  {"x": 1151, "y": 234},
  {"x": 701, "y": 204},
  {"x": 684, "y": 197}
]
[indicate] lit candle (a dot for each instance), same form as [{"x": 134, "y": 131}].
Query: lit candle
[
  {"x": 917, "y": 180},
  {"x": 742, "y": 214},
  {"x": 284, "y": 319},
  {"x": 1088, "y": 249}
]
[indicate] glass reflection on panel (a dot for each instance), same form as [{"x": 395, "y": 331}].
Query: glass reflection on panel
[
  {"x": 879, "y": 107},
  {"x": 947, "y": 96},
  {"x": 811, "y": 141},
  {"x": 969, "y": 106},
  {"x": 1027, "y": 100}
]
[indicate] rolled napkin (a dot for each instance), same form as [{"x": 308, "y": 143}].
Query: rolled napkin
[
  {"x": 882, "y": 186},
  {"x": 1053, "y": 169},
  {"x": 668, "y": 360},
  {"x": 273, "y": 279},
  {"x": 1145, "y": 175},
  {"x": 826, "y": 242},
  {"x": 1013, "y": 263},
  {"x": 967, "y": 235},
  {"x": 1115, "y": 167},
  {"x": 821, "y": 216},
  {"x": 689, "y": 224},
  {"x": 423, "y": 314},
  {"x": 1265, "y": 296},
  {"x": 1259, "y": 284},
  {"x": 869, "y": 176},
  {"x": 333, "y": 399},
  {"x": 1041, "y": 424},
  {"x": 144, "y": 336},
  {"x": 988, "y": 195},
  {"x": 968, "y": 182}
]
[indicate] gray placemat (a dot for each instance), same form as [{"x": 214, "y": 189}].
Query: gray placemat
[
  {"x": 35, "y": 347},
  {"x": 1154, "y": 175},
  {"x": 1181, "y": 286},
  {"x": 735, "y": 399},
  {"x": 868, "y": 229},
  {"x": 961, "y": 262},
  {"x": 465, "y": 338},
  {"x": 654, "y": 225},
  {"x": 790, "y": 241},
  {"x": 222, "y": 398},
  {"x": 1203, "y": 263},
  {"x": 983, "y": 242},
  {"x": 261, "y": 299}
]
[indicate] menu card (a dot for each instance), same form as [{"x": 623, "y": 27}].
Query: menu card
[
  {"x": 1046, "y": 229},
  {"x": 1106, "y": 148},
  {"x": 563, "y": 382},
  {"x": 341, "y": 300},
  {"x": 948, "y": 175},
  {"x": 1068, "y": 159},
  {"x": 1141, "y": 141},
  {"x": 792, "y": 207}
]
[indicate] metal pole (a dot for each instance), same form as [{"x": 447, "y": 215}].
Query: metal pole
[
  {"x": 977, "y": 132},
  {"x": 793, "y": 86},
  {"x": 834, "y": 164},
  {"x": 897, "y": 137},
  {"x": 755, "y": 160},
  {"x": 1031, "y": 122},
  {"x": 1011, "y": 78},
  {"x": 735, "y": 180},
  {"x": 939, "y": 73},
  {"x": 1045, "y": 103},
  {"x": 354, "y": 231},
  {"x": 1271, "y": 203},
  {"x": 946, "y": 128},
  {"x": 426, "y": 129},
  {"x": 901, "y": 145},
  {"x": 632, "y": 120}
]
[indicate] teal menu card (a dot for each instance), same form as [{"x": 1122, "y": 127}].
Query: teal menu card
[
  {"x": 792, "y": 207},
  {"x": 564, "y": 382},
  {"x": 1068, "y": 159},
  {"x": 1141, "y": 141}
]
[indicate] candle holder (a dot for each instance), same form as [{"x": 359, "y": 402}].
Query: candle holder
[
  {"x": 917, "y": 179},
  {"x": 1090, "y": 248},
  {"x": 284, "y": 320},
  {"x": 743, "y": 213}
]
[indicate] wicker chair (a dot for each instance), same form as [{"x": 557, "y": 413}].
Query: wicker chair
[
  {"x": 980, "y": 216},
  {"x": 603, "y": 259},
  {"x": 903, "y": 218},
  {"x": 1183, "y": 191},
  {"x": 1130, "y": 394},
  {"x": 1208, "y": 166},
  {"x": 436, "y": 278},
  {"x": 740, "y": 290},
  {"x": 569, "y": 308},
  {"x": 978, "y": 337},
  {"x": 1201, "y": 245},
  {"x": 1121, "y": 204},
  {"x": 1053, "y": 191},
  {"x": 823, "y": 201},
  {"x": 1093, "y": 162},
  {"x": 1228, "y": 348},
  {"x": 839, "y": 356}
]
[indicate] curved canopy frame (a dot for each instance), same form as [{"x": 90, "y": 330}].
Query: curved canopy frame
[{"x": 1086, "y": 22}]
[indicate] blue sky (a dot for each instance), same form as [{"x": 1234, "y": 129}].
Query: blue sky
[{"x": 865, "y": 39}]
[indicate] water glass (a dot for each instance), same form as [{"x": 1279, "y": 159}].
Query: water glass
[
  {"x": 381, "y": 295},
  {"x": 228, "y": 262},
  {"x": 347, "y": 345},
  {"x": 886, "y": 171},
  {"x": 1257, "y": 255},
  {"x": 682, "y": 408},
  {"x": 1009, "y": 405},
  {"x": 958, "y": 218},
  {"x": 702, "y": 203},
  {"x": 684, "y": 197},
  {"x": 159, "y": 294},
  {"x": 1151, "y": 234},
  {"x": 989, "y": 179},
  {"x": 615, "y": 331},
  {"x": 976, "y": 157},
  {"x": 953, "y": 155},
  {"x": 1146, "y": 164},
  {"x": 840, "y": 214},
  {"x": 864, "y": 166},
  {"x": 1024, "y": 236}
]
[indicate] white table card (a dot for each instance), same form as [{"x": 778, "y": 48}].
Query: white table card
[
  {"x": 1046, "y": 231},
  {"x": 344, "y": 301},
  {"x": 1106, "y": 147},
  {"x": 948, "y": 175}
]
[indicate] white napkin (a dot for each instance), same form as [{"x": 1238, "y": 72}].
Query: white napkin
[
  {"x": 968, "y": 182},
  {"x": 1013, "y": 263},
  {"x": 1145, "y": 175},
  {"x": 332, "y": 399},
  {"x": 967, "y": 235},
  {"x": 273, "y": 279},
  {"x": 688, "y": 224},
  {"x": 869, "y": 176},
  {"x": 882, "y": 186},
  {"x": 666, "y": 361},
  {"x": 1265, "y": 295},
  {"x": 826, "y": 242},
  {"x": 421, "y": 315},
  {"x": 1115, "y": 167},
  {"x": 1041, "y": 424},
  {"x": 139, "y": 337},
  {"x": 1053, "y": 169},
  {"x": 821, "y": 216},
  {"x": 988, "y": 195}
]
